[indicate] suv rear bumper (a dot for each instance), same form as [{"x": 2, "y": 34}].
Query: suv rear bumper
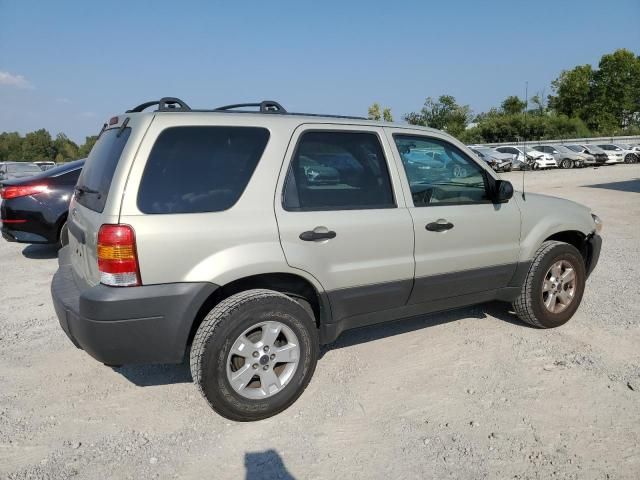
[{"x": 147, "y": 324}]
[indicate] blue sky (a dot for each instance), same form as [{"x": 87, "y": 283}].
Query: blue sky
[{"x": 68, "y": 65}]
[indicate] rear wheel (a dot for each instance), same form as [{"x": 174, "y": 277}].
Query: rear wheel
[
  {"x": 254, "y": 354},
  {"x": 566, "y": 163},
  {"x": 553, "y": 289}
]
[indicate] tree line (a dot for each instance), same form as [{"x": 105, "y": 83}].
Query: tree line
[
  {"x": 39, "y": 145},
  {"x": 585, "y": 102}
]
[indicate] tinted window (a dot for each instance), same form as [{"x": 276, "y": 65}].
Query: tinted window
[
  {"x": 200, "y": 169},
  {"x": 439, "y": 173},
  {"x": 70, "y": 178},
  {"x": 338, "y": 171},
  {"x": 99, "y": 167}
]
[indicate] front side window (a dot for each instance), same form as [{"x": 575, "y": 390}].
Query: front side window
[
  {"x": 199, "y": 169},
  {"x": 439, "y": 173},
  {"x": 338, "y": 171}
]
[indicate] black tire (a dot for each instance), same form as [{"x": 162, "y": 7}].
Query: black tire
[
  {"x": 529, "y": 306},
  {"x": 566, "y": 163},
  {"x": 630, "y": 158},
  {"x": 220, "y": 329}
]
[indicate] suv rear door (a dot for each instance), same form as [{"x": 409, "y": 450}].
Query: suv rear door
[
  {"x": 464, "y": 244},
  {"x": 95, "y": 201},
  {"x": 342, "y": 217}
]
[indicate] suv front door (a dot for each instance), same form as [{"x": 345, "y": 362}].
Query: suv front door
[
  {"x": 341, "y": 217},
  {"x": 465, "y": 245}
]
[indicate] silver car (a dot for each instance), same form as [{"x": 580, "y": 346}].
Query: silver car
[
  {"x": 618, "y": 154},
  {"x": 202, "y": 234},
  {"x": 500, "y": 162},
  {"x": 564, "y": 157}
]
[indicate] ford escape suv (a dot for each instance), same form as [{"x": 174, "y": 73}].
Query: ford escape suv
[{"x": 246, "y": 239}]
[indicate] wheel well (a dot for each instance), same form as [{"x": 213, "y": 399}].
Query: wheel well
[
  {"x": 287, "y": 283},
  {"x": 575, "y": 238}
]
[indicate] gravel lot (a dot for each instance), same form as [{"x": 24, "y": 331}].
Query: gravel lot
[{"x": 470, "y": 393}]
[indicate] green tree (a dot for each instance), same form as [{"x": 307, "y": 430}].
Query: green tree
[
  {"x": 616, "y": 89},
  {"x": 375, "y": 113},
  {"x": 386, "y": 115},
  {"x": 10, "y": 146},
  {"x": 85, "y": 149},
  {"x": 572, "y": 91},
  {"x": 37, "y": 146},
  {"x": 443, "y": 114},
  {"x": 512, "y": 105},
  {"x": 65, "y": 148}
]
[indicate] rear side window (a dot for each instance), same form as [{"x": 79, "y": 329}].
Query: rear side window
[
  {"x": 200, "y": 169},
  {"x": 97, "y": 173},
  {"x": 338, "y": 171}
]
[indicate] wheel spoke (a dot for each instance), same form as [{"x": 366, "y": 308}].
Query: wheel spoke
[
  {"x": 287, "y": 354},
  {"x": 241, "y": 378},
  {"x": 564, "y": 297},
  {"x": 242, "y": 347},
  {"x": 270, "y": 332},
  {"x": 550, "y": 302},
  {"x": 547, "y": 286},
  {"x": 569, "y": 275},
  {"x": 556, "y": 270},
  {"x": 269, "y": 382}
]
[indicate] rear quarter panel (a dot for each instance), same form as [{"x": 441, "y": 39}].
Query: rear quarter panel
[{"x": 216, "y": 247}]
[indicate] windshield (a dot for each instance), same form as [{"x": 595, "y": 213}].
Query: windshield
[
  {"x": 575, "y": 148},
  {"x": 23, "y": 168}
]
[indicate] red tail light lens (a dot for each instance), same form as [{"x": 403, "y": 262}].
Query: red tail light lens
[
  {"x": 117, "y": 256},
  {"x": 22, "y": 191}
]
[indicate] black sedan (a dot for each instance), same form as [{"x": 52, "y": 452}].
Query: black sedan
[{"x": 34, "y": 209}]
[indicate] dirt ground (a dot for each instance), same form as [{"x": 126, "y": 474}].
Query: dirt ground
[{"x": 469, "y": 394}]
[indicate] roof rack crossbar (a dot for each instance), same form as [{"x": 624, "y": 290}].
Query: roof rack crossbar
[
  {"x": 266, "y": 106},
  {"x": 165, "y": 104}
]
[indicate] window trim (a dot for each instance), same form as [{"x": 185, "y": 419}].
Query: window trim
[
  {"x": 341, "y": 208},
  {"x": 487, "y": 179},
  {"x": 244, "y": 189}
]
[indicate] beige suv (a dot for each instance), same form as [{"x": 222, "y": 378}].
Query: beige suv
[{"x": 246, "y": 239}]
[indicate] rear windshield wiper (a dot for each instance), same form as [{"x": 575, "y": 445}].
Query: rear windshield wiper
[{"x": 82, "y": 189}]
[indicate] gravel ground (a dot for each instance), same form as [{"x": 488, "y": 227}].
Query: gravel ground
[{"x": 470, "y": 393}]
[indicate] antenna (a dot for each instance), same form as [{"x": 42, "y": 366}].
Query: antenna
[{"x": 524, "y": 147}]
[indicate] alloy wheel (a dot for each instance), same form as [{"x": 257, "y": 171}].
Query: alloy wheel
[{"x": 559, "y": 286}]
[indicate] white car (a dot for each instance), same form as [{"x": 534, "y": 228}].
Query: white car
[
  {"x": 618, "y": 154},
  {"x": 532, "y": 157}
]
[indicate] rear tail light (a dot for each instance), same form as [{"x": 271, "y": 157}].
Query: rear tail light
[
  {"x": 22, "y": 190},
  {"x": 117, "y": 256}
]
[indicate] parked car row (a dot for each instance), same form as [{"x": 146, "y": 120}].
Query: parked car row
[
  {"x": 9, "y": 170},
  {"x": 543, "y": 156}
]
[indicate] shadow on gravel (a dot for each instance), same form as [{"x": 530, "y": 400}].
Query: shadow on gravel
[
  {"x": 40, "y": 252},
  {"x": 500, "y": 310},
  {"x": 153, "y": 375},
  {"x": 624, "y": 186},
  {"x": 265, "y": 465}
]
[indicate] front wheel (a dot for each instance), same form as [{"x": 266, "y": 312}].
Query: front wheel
[
  {"x": 566, "y": 163},
  {"x": 254, "y": 354},
  {"x": 630, "y": 158},
  {"x": 553, "y": 288}
]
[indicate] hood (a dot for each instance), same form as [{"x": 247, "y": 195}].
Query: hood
[{"x": 502, "y": 157}]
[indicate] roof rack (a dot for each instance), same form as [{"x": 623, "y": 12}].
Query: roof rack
[
  {"x": 173, "y": 104},
  {"x": 266, "y": 106},
  {"x": 165, "y": 104}
]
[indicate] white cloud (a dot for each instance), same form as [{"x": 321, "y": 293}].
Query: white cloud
[{"x": 12, "y": 80}]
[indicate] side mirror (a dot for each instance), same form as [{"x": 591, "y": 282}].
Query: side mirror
[{"x": 503, "y": 191}]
